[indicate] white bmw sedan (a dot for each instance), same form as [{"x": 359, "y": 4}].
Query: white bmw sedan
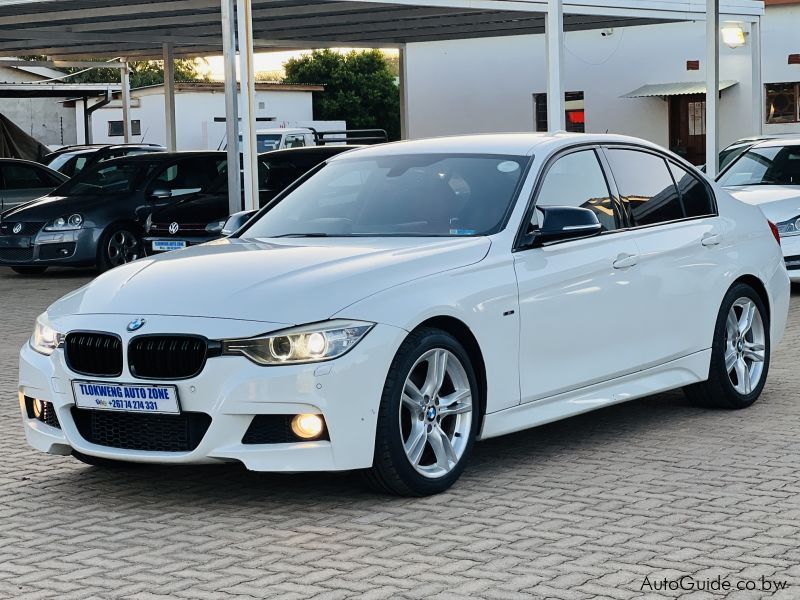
[
  {"x": 767, "y": 175},
  {"x": 402, "y": 301}
]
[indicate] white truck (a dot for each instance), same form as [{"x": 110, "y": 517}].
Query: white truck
[{"x": 276, "y": 138}]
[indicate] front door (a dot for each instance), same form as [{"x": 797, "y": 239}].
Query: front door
[
  {"x": 579, "y": 300},
  {"x": 687, "y": 127}
]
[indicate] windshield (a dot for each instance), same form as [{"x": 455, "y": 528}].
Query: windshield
[
  {"x": 398, "y": 195},
  {"x": 105, "y": 178},
  {"x": 731, "y": 153},
  {"x": 61, "y": 159},
  {"x": 771, "y": 165}
]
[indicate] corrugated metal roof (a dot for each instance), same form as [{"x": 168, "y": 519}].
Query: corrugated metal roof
[{"x": 675, "y": 89}]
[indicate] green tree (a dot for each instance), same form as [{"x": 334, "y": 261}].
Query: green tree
[
  {"x": 143, "y": 72},
  {"x": 360, "y": 88}
]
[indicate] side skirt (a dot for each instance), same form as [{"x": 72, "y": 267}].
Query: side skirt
[{"x": 674, "y": 374}]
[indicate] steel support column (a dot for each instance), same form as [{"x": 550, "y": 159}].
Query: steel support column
[
  {"x": 231, "y": 105},
  {"x": 403, "y": 93},
  {"x": 554, "y": 34},
  {"x": 169, "y": 96},
  {"x": 126, "y": 103},
  {"x": 244, "y": 19},
  {"x": 712, "y": 87},
  {"x": 757, "y": 84}
]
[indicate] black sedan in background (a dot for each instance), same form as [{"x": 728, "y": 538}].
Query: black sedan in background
[
  {"x": 71, "y": 160},
  {"x": 95, "y": 218},
  {"x": 23, "y": 180},
  {"x": 197, "y": 219}
]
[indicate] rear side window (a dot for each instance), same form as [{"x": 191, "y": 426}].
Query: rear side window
[
  {"x": 645, "y": 184},
  {"x": 697, "y": 201},
  {"x": 23, "y": 177}
]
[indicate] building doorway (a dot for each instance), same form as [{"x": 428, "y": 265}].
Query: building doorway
[{"x": 687, "y": 127}]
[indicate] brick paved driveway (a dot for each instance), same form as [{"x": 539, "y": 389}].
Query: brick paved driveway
[{"x": 585, "y": 508}]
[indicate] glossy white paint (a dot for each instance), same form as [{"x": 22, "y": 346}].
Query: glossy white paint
[{"x": 560, "y": 330}]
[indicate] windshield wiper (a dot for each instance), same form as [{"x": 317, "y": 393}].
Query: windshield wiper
[{"x": 311, "y": 234}]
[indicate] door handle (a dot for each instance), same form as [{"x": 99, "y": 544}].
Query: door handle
[
  {"x": 623, "y": 261},
  {"x": 711, "y": 239}
]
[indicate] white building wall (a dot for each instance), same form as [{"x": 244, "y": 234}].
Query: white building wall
[
  {"x": 781, "y": 34},
  {"x": 45, "y": 119},
  {"x": 194, "y": 116},
  {"x": 486, "y": 85}
]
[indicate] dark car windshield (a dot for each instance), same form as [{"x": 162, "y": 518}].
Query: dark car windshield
[
  {"x": 770, "y": 165},
  {"x": 109, "y": 178},
  {"x": 398, "y": 195}
]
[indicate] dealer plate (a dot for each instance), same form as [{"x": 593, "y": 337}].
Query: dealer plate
[
  {"x": 126, "y": 397},
  {"x": 167, "y": 245}
]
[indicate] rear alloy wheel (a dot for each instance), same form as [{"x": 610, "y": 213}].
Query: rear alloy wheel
[
  {"x": 29, "y": 270},
  {"x": 118, "y": 246},
  {"x": 428, "y": 417},
  {"x": 739, "y": 355}
]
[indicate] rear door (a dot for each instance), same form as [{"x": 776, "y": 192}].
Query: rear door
[
  {"x": 23, "y": 182},
  {"x": 680, "y": 242}
]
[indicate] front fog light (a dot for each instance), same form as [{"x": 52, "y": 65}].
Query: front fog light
[
  {"x": 37, "y": 408},
  {"x": 307, "y": 427}
]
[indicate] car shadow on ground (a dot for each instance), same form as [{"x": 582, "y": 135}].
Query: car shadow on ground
[{"x": 557, "y": 445}]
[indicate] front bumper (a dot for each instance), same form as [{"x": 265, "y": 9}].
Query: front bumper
[
  {"x": 790, "y": 245},
  {"x": 232, "y": 390},
  {"x": 189, "y": 241},
  {"x": 46, "y": 248}
]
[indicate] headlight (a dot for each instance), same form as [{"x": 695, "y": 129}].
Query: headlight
[
  {"x": 65, "y": 223},
  {"x": 306, "y": 344},
  {"x": 215, "y": 227},
  {"x": 45, "y": 339},
  {"x": 790, "y": 227}
]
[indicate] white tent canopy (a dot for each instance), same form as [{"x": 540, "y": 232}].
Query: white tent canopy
[{"x": 136, "y": 29}]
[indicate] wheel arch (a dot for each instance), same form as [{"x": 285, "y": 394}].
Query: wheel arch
[
  {"x": 759, "y": 287},
  {"x": 461, "y": 331}
]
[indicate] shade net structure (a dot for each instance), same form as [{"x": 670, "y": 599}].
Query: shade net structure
[{"x": 15, "y": 143}]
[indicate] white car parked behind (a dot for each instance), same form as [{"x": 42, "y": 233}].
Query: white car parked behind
[
  {"x": 404, "y": 300},
  {"x": 768, "y": 176}
]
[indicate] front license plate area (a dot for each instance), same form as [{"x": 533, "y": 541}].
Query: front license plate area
[
  {"x": 167, "y": 245},
  {"x": 126, "y": 397}
]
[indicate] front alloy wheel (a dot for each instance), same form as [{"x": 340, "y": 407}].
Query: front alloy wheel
[
  {"x": 118, "y": 246},
  {"x": 436, "y": 413},
  {"x": 428, "y": 417}
]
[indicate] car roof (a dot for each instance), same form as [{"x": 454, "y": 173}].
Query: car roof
[
  {"x": 514, "y": 144},
  {"x": 310, "y": 150},
  {"x": 782, "y": 141},
  {"x": 164, "y": 156}
]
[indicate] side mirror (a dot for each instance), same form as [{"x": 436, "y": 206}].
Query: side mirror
[
  {"x": 160, "y": 194},
  {"x": 561, "y": 223},
  {"x": 236, "y": 221}
]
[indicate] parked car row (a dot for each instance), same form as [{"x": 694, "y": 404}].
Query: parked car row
[{"x": 100, "y": 217}]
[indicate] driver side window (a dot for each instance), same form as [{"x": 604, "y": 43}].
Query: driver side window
[{"x": 578, "y": 180}]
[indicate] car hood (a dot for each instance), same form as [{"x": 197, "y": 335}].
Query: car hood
[
  {"x": 777, "y": 202},
  {"x": 52, "y": 207},
  {"x": 288, "y": 281}
]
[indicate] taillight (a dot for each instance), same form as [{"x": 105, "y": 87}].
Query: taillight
[{"x": 775, "y": 232}]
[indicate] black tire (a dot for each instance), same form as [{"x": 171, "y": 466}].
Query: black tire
[
  {"x": 719, "y": 390},
  {"x": 97, "y": 461},
  {"x": 391, "y": 471},
  {"x": 38, "y": 270},
  {"x": 108, "y": 257}
]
